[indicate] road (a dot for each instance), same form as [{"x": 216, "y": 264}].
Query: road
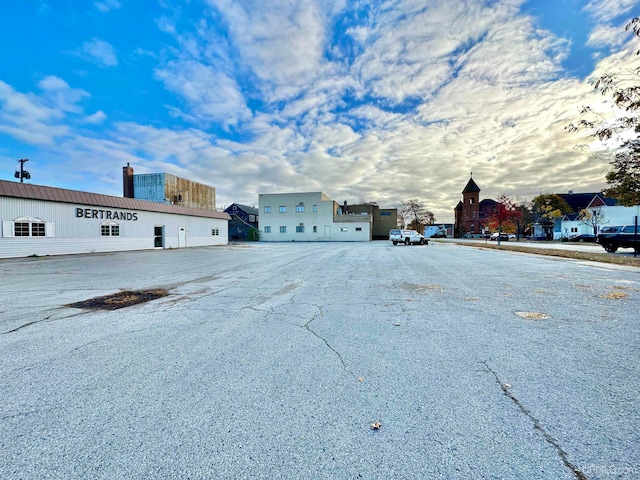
[{"x": 274, "y": 360}]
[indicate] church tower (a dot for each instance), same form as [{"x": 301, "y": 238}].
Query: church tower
[{"x": 470, "y": 215}]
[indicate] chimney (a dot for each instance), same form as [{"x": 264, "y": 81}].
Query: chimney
[{"x": 127, "y": 181}]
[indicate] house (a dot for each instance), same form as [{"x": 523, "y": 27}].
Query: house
[
  {"x": 603, "y": 211},
  {"x": 244, "y": 222},
  {"x": 310, "y": 217}
]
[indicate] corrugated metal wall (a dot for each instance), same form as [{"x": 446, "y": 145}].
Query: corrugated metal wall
[
  {"x": 190, "y": 194},
  {"x": 150, "y": 186},
  {"x": 74, "y": 234}
]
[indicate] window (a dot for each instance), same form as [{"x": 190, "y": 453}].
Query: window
[
  {"x": 215, "y": 231},
  {"x": 252, "y": 218},
  {"x": 109, "y": 229},
  {"x": 358, "y": 229},
  {"x": 343, "y": 229},
  {"x": 283, "y": 229},
  {"x": 267, "y": 229},
  {"x": 29, "y": 227},
  {"x": 21, "y": 229},
  {"x": 37, "y": 229},
  {"x": 267, "y": 209},
  {"x": 283, "y": 209},
  {"x": 300, "y": 229},
  {"x": 299, "y": 208},
  {"x": 315, "y": 208},
  {"x": 385, "y": 214},
  {"x": 315, "y": 229}
]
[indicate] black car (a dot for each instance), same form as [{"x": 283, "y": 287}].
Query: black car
[
  {"x": 583, "y": 237},
  {"x": 613, "y": 238}
]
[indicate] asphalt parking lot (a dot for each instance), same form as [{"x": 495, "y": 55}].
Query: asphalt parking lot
[{"x": 274, "y": 360}]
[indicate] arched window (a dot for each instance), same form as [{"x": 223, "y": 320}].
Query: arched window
[
  {"x": 109, "y": 229},
  {"x": 29, "y": 227}
]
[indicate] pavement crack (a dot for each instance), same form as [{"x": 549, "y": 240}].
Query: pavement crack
[
  {"x": 307, "y": 326},
  {"x": 538, "y": 426}
]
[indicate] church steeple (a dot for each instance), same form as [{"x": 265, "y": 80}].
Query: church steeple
[{"x": 471, "y": 187}]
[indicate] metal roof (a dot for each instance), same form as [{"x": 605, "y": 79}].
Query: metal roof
[{"x": 52, "y": 194}]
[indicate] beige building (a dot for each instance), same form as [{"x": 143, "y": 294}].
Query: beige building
[
  {"x": 382, "y": 219},
  {"x": 309, "y": 217}
]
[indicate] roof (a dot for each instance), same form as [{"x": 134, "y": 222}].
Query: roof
[
  {"x": 580, "y": 201},
  {"x": 53, "y": 194},
  {"x": 471, "y": 187},
  {"x": 245, "y": 208}
]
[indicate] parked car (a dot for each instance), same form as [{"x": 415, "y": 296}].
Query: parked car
[
  {"x": 613, "y": 238},
  {"x": 504, "y": 237},
  {"x": 582, "y": 237},
  {"x": 408, "y": 237}
]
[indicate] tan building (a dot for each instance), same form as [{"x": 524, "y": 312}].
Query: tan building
[{"x": 384, "y": 219}]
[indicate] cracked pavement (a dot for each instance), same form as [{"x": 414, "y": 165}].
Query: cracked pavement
[{"x": 273, "y": 360}]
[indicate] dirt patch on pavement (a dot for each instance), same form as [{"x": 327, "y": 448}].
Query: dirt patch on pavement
[{"x": 120, "y": 300}]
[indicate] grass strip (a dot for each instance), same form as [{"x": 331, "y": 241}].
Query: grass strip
[{"x": 604, "y": 257}]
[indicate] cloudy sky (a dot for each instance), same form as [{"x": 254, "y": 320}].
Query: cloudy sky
[{"x": 363, "y": 100}]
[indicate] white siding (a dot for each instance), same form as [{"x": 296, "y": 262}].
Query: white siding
[{"x": 67, "y": 234}]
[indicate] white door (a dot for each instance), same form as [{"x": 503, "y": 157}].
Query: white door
[
  {"x": 182, "y": 237},
  {"x": 327, "y": 231}
]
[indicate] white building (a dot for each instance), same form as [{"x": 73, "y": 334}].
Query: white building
[
  {"x": 39, "y": 220},
  {"x": 309, "y": 217},
  {"x": 606, "y": 216}
]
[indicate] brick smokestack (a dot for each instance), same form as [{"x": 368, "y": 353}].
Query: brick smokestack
[{"x": 127, "y": 181}]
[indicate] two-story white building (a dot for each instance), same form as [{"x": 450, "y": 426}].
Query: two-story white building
[{"x": 309, "y": 217}]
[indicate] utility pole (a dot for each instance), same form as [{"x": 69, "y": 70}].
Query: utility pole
[{"x": 22, "y": 173}]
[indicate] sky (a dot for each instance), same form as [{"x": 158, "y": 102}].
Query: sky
[{"x": 376, "y": 101}]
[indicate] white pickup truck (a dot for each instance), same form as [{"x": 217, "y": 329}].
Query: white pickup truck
[{"x": 408, "y": 237}]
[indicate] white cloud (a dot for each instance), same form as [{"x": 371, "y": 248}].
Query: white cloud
[
  {"x": 607, "y": 10},
  {"x": 27, "y": 118},
  {"x": 107, "y": 5},
  {"x": 280, "y": 41},
  {"x": 96, "y": 118},
  {"x": 210, "y": 94},
  {"x": 99, "y": 52}
]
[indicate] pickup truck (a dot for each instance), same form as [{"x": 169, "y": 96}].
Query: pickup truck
[
  {"x": 613, "y": 238},
  {"x": 408, "y": 237}
]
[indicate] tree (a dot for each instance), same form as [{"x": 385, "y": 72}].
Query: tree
[
  {"x": 524, "y": 221},
  {"x": 415, "y": 215},
  {"x": 623, "y": 129},
  {"x": 505, "y": 212},
  {"x": 624, "y": 178},
  {"x": 547, "y": 209},
  {"x": 592, "y": 218}
]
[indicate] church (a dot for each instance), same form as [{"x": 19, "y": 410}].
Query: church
[{"x": 471, "y": 213}]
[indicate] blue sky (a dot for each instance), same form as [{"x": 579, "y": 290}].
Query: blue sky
[{"x": 364, "y": 100}]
